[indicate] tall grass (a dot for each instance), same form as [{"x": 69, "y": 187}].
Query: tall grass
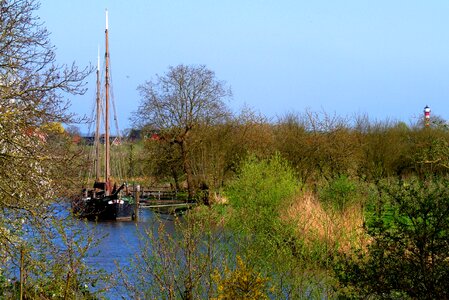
[{"x": 326, "y": 232}]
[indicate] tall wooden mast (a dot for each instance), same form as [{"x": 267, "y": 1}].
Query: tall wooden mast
[
  {"x": 106, "y": 112},
  {"x": 97, "y": 128}
]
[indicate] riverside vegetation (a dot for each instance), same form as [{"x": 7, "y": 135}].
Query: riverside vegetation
[
  {"x": 309, "y": 206},
  {"x": 347, "y": 211}
]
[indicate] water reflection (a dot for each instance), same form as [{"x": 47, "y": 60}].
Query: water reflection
[{"x": 118, "y": 242}]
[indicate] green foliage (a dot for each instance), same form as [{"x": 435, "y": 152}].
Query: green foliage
[
  {"x": 257, "y": 195},
  {"x": 51, "y": 260},
  {"x": 339, "y": 193},
  {"x": 179, "y": 262},
  {"x": 429, "y": 152},
  {"x": 261, "y": 187},
  {"x": 7, "y": 288},
  {"x": 408, "y": 254},
  {"x": 242, "y": 283},
  {"x": 55, "y": 261},
  {"x": 163, "y": 161},
  {"x": 267, "y": 242}
]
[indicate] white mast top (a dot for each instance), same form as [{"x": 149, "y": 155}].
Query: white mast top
[
  {"x": 106, "y": 19},
  {"x": 98, "y": 62}
]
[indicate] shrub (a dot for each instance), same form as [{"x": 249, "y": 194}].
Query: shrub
[
  {"x": 268, "y": 242},
  {"x": 261, "y": 187},
  {"x": 241, "y": 283},
  {"x": 256, "y": 196},
  {"x": 408, "y": 256},
  {"x": 339, "y": 193},
  {"x": 178, "y": 262}
]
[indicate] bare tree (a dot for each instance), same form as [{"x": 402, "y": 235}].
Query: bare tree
[
  {"x": 176, "y": 103},
  {"x": 32, "y": 95},
  {"x": 33, "y": 90}
]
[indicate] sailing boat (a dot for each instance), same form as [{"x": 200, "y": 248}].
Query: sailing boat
[{"x": 105, "y": 201}]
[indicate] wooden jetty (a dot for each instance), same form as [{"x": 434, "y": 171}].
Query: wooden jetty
[
  {"x": 168, "y": 208},
  {"x": 162, "y": 201}
]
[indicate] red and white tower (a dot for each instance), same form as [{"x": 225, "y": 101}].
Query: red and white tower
[{"x": 427, "y": 116}]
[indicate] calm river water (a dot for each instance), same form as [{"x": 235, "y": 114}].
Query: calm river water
[{"x": 119, "y": 242}]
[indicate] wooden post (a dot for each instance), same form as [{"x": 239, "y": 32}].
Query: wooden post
[{"x": 137, "y": 198}]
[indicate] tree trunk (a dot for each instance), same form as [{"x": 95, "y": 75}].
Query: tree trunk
[
  {"x": 187, "y": 169},
  {"x": 175, "y": 178}
]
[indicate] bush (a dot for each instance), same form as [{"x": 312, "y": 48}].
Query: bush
[
  {"x": 177, "y": 262},
  {"x": 261, "y": 189},
  {"x": 408, "y": 255},
  {"x": 264, "y": 238},
  {"x": 262, "y": 183},
  {"x": 241, "y": 283},
  {"x": 339, "y": 193}
]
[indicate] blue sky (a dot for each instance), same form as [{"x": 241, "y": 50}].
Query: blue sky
[{"x": 386, "y": 59}]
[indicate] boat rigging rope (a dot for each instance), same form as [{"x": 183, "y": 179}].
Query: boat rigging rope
[
  {"x": 118, "y": 156},
  {"x": 91, "y": 155}
]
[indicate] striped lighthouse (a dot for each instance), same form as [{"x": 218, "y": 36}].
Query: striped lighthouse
[{"x": 427, "y": 116}]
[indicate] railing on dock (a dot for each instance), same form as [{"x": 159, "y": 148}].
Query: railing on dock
[{"x": 163, "y": 200}]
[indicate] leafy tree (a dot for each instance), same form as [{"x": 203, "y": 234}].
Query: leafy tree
[
  {"x": 163, "y": 161},
  {"x": 261, "y": 189},
  {"x": 408, "y": 255},
  {"x": 212, "y": 153},
  {"x": 253, "y": 136},
  {"x": 218, "y": 150},
  {"x": 178, "y": 102},
  {"x": 52, "y": 262}
]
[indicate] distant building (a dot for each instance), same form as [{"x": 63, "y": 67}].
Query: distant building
[{"x": 90, "y": 140}]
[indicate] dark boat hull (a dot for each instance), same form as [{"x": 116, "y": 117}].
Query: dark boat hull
[{"x": 105, "y": 209}]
